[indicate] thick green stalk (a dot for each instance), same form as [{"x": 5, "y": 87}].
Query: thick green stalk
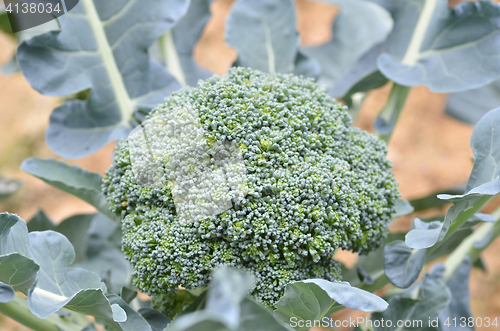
[
  {"x": 18, "y": 309},
  {"x": 23, "y": 315},
  {"x": 467, "y": 247},
  {"x": 388, "y": 116}
]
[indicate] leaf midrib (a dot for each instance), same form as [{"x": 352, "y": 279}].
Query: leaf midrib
[{"x": 123, "y": 99}]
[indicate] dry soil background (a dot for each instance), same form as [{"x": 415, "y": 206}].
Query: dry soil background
[{"x": 430, "y": 150}]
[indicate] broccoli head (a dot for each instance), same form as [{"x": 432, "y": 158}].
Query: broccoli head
[{"x": 315, "y": 184}]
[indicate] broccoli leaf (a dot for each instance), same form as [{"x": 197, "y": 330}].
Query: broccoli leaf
[
  {"x": 98, "y": 250},
  {"x": 134, "y": 320},
  {"x": 8, "y": 187},
  {"x": 402, "y": 264},
  {"x": 403, "y": 207},
  {"x": 103, "y": 253},
  {"x": 432, "y": 201},
  {"x": 313, "y": 299},
  {"x": 372, "y": 264},
  {"x": 362, "y": 77},
  {"x": 427, "y": 235},
  {"x": 418, "y": 304},
  {"x": 228, "y": 307},
  {"x": 40, "y": 264},
  {"x": 156, "y": 320},
  {"x": 484, "y": 142},
  {"x": 428, "y": 46},
  {"x": 484, "y": 182},
  {"x": 18, "y": 271},
  {"x": 101, "y": 46},
  {"x": 177, "y": 45},
  {"x": 459, "y": 306},
  {"x": 358, "y": 27},
  {"x": 470, "y": 106},
  {"x": 424, "y": 234},
  {"x": 7, "y": 293},
  {"x": 72, "y": 228},
  {"x": 79, "y": 182},
  {"x": 128, "y": 294},
  {"x": 264, "y": 34}
]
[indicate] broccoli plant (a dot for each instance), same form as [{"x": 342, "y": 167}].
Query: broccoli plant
[{"x": 229, "y": 195}]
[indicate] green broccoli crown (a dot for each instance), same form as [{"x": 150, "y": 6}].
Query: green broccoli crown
[{"x": 315, "y": 184}]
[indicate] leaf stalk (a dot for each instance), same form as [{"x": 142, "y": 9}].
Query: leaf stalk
[{"x": 389, "y": 115}]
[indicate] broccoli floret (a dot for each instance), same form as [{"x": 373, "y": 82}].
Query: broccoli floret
[{"x": 315, "y": 184}]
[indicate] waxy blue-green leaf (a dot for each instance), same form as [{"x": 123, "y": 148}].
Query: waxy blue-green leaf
[
  {"x": 229, "y": 308},
  {"x": 156, "y": 320},
  {"x": 264, "y": 34},
  {"x": 103, "y": 253},
  {"x": 402, "y": 264},
  {"x": 485, "y": 142},
  {"x": 58, "y": 285},
  {"x": 42, "y": 260},
  {"x": 470, "y": 106},
  {"x": 415, "y": 305},
  {"x": 7, "y": 293},
  {"x": 425, "y": 236},
  {"x": 358, "y": 27},
  {"x": 403, "y": 207},
  {"x": 432, "y": 201},
  {"x": 79, "y": 182},
  {"x": 96, "y": 240},
  {"x": 128, "y": 294},
  {"x": 372, "y": 264},
  {"x": 8, "y": 187},
  {"x": 313, "y": 299},
  {"x": 428, "y": 45},
  {"x": 18, "y": 271},
  {"x": 362, "y": 77},
  {"x": 459, "y": 306},
  {"x": 13, "y": 235},
  {"x": 134, "y": 321},
  {"x": 102, "y": 46},
  {"x": 177, "y": 45},
  {"x": 73, "y": 228}
]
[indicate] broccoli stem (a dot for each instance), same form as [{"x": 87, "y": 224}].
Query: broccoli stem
[
  {"x": 388, "y": 116},
  {"x": 467, "y": 245},
  {"x": 23, "y": 315},
  {"x": 19, "y": 311}
]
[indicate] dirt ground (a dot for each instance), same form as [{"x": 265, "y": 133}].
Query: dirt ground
[{"x": 429, "y": 150}]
